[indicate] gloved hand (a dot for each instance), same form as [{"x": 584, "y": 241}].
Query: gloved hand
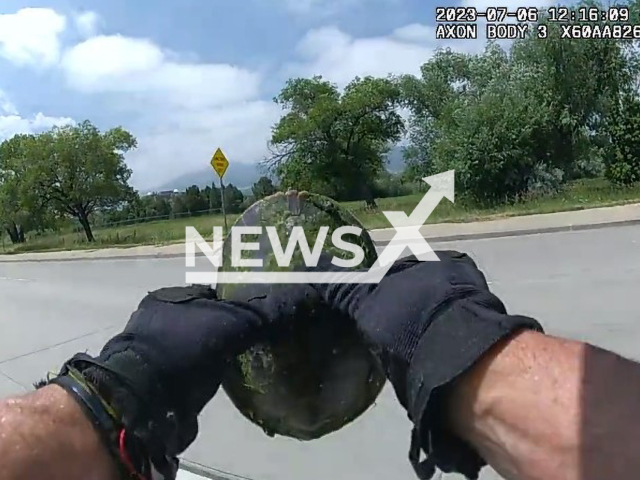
[
  {"x": 429, "y": 322},
  {"x": 159, "y": 373}
]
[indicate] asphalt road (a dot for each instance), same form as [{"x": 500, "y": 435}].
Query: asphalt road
[{"x": 581, "y": 285}]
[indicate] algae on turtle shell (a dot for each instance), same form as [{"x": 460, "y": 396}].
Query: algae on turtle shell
[{"x": 317, "y": 375}]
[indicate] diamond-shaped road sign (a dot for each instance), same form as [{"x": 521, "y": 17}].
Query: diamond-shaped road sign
[{"x": 219, "y": 163}]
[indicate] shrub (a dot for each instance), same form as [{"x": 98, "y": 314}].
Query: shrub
[{"x": 623, "y": 161}]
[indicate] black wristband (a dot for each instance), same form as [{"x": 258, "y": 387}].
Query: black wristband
[
  {"x": 140, "y": 455},
  {"x": 95, "y": 411}
]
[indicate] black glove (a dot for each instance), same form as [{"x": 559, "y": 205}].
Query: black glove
[
  {"x": 159, "y": 373},
  {"x": 429, "y": 322}
]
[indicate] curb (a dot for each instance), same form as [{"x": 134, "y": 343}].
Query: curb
[
  {"x": 95, "y": 259},
  {"x": 208, "y": 472},
  {"x": 523, "y": 232},
  {"x": 379, "y": 243}
]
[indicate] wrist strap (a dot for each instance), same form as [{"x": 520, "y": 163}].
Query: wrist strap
[
  {"x": 136, "y": 458},
  {"x": 110, "y": 432}
]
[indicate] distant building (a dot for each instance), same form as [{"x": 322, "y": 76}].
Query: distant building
[{"x": 164, "y": 193}]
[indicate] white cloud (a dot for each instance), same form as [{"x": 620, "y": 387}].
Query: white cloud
[
  {"x": 181, "y": 110},
  {"x": 125, "y": 65},
  {"x": 339, "y": 57},
  {"x": 87, "y": 23},
  {"x": 99, "y": 63},
  {"x": 31, "y": 36},
  {"x": 12, "y": 123},
  {"x": 323, "y": 9},
  {"x": 184, "y": 109},
  {"x": 415, "y": 33},
  {"x": 482, "y": 5},
  {"x": 6, "y": 106},
  {"x": 186, "y": 141}
]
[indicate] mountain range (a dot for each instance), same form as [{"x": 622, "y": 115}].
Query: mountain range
[{"x": 244, "y": 175}]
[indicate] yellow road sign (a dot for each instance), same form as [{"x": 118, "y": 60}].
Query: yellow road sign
[{"x": 219, "y": 163}]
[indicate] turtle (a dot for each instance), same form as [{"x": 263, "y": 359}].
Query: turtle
[{"x": 317, "y": 375}]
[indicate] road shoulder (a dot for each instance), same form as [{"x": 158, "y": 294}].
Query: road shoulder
[{"x": 576, "y": 220}]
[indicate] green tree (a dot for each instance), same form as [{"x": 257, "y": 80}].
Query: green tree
[
  {"x": 492, "y": 142},
  {"x": 78, "y": 170},
  {"x": 393, "y": 185},
  {"x": 22, "y": 209},
  {"x": 12, "y": 213},
  {"x": 263, "y": 188},
  {"x": 161, "y": 206},
  {"x": 132, "y": 210},
  {"x": 623, "y": 160},
  {"x": 335, "y": 143},
  {"x": 194, "y": 200},
  {"x": 582, "y": 80},
  {"x": 213, "y": 198},
  {"x": 153, "y": 206},
  {"x": 178, "y": 205},
  {"x": 475, "y": 114},
  {"x": 233, "y": 199},
  {"x": 518, "y": 121}
]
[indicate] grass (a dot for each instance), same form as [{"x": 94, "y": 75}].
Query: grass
[
  {"x": 575, "y": 196},
  {"x": 161, "y": 232}
]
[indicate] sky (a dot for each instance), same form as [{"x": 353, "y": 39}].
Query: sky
[{"x": 189, "y": 76}]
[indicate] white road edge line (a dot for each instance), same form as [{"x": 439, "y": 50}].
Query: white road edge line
[
  {"x": 196, "y": 471},
  {"x": 184, "y": 475}
]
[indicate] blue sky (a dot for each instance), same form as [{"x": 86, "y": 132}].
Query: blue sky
[{"x": 188, "y": 76}]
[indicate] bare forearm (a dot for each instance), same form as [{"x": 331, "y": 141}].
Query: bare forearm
[
  {"x": 542, "y": 408},
  {"x": 45, "y": 435}
]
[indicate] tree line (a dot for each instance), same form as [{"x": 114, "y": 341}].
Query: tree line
[
  {"x": 78, "y": 172},
  {"x": 513, "y": 123},
  {"x": 193, "y": 201},
  {"x": 69, "y": 171}
]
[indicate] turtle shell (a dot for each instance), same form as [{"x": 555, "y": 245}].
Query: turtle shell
[{"x": 317, "y": 375}]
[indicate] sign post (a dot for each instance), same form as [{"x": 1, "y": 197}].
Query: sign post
[
  {"x": 220, "y": 164},
  {"x": 213, "y": 187}
]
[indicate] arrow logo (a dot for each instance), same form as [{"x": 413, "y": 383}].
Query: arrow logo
[
  {"x": 408, "y": 227},
  {"x": 407, "y": 236}
]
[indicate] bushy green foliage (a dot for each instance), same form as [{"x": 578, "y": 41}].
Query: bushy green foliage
[
  {"x": 520, "y": 122},
  {"x": 263, "y": 188},
  {"x": 394, "y": 185},
  {"x": 489, "y": 134},
  {"x": 233, "y": 198},
  {"x": 334, "y": 142},
  {"x": 194, "y": 200},
  {"x": 623, "y": 161},
  {"x": 73, "y": 170}
]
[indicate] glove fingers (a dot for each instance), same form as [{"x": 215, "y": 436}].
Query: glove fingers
[
  {"x": 342, "y": 297},
  {"x": 455, "y": 268},
  {"x": 181, "y": 294},
  {"x": 411, "y": 293},
  {"x": 461, "y": 269}
]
